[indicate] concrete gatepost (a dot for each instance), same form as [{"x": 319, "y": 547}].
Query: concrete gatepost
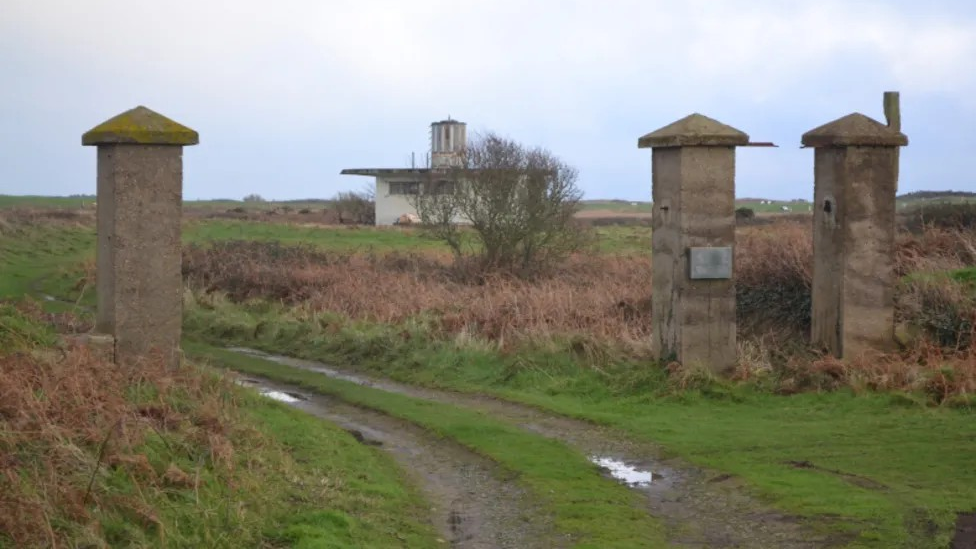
[
  {"x": 855, "y": 182},
  {"x": 693, "y": 290},
  {"x": 140, "y": 202}
]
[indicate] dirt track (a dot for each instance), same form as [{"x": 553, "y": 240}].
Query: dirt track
[
  {"x": 699, "y": 510},
  {"x": 473, "y": 506}
]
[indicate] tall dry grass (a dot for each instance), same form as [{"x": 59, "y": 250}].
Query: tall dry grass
[
  {"x": 17, "y": 219},
  {"x": 773, "y": 277},
  {"x": 604, "y": 297},
  {"x": 69, "y": 420}
]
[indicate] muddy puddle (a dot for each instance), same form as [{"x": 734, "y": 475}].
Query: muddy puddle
[
  {"x": 699, "y": 509},
  {"x": 472, "y": 504},
  {"x": 631, "y": 476},
  {"x": 289, "y": 397},
  {"x": 965, "y": 537}
]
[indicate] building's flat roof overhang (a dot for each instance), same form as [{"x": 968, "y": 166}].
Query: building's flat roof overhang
[
  {"x": 385, "y": 171},
  {"x": 421, "y": 171}
]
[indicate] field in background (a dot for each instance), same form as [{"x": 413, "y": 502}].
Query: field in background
[{"x": 321, "y": 211}]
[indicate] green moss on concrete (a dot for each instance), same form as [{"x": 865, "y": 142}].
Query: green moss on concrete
[
  {"x": 694, "y": 130},
  {"x": 854, "y": 130},
  {"x": 140, "y": 126}
]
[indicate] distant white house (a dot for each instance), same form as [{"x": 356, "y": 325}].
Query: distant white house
[{"x": 395, "y": 186}]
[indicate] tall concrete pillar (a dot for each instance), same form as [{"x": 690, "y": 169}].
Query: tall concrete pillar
[
  {"x": 140, "y": 202},
  {"x": 693, "y": 188},
  {"x": 855, "y": 181}
]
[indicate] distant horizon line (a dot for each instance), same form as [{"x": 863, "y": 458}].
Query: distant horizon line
[{"x": 930, "y": 193}]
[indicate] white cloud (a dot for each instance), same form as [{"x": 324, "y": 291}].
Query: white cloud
[
  {"x": 557, "y": 54},
  {"x": 574, "y": 75}
]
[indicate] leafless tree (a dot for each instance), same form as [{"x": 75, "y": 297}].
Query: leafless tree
[{"x": 519, "y": 203}]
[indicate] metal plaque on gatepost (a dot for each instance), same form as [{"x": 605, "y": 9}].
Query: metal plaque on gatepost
[{"x": 710, "y": 263}]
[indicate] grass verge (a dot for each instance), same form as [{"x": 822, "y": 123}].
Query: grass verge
[{"x": 92, "y": 455}]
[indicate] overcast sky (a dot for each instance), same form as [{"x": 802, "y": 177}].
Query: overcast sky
[{"x": 285, "y": 94}]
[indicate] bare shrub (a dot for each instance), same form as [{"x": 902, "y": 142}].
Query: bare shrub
[
  {"x": 933, "y": 250},
  {"x": 943, "y": 215},
  {"x": 520, "y": 204},
  {"x": 744, "y": 214},
  {"x": 943, "y": 309},
  {"x": 774, "y": 274},
  {"x": 355, "y": 207}
]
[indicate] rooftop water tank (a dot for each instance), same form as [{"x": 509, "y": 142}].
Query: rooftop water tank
[{"x": 448, "y": 139}]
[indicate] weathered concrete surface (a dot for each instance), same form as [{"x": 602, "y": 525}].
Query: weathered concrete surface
[
  {"x": 693, "y": 190},
  {"x": 140, "y": 190},
  {"x": 854, "y": 130},
  {"x": 666, "y": 265},
  {"x": 856, "y": 177},
  {"x": 694, "y": 130}
]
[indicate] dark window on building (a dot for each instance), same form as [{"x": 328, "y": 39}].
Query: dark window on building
[
  {"x": 440, "y": 187},
  {"x": 404, "y": 187}
]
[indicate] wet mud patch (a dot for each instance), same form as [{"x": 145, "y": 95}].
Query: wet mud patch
[
  {"x": 473, "y": 503},
  {"x": 965, "y": 537},
  {"x": 699, "y": 509}
]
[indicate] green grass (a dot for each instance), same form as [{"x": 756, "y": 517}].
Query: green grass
[
  {"x": 775, "y": 206},
  {"x": 301, "y": 483},
  {"x": 597, "y": 512},
  {"x": 922, "y": 202},
  {"x": 920, "y": 457},
  {"x": 965, "y": 275},
  {"x": 624, "y": 240},
  {"x": 617, "y": 206},
  {"x": 610, "y": 239},
  {"x": 345, "y": 239},
  {"x": 37, "y": 252},
  {"x": 37, "y": 201},
  {"x": 28, "y": 201},
  {"x": 365, "y": 503}
]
